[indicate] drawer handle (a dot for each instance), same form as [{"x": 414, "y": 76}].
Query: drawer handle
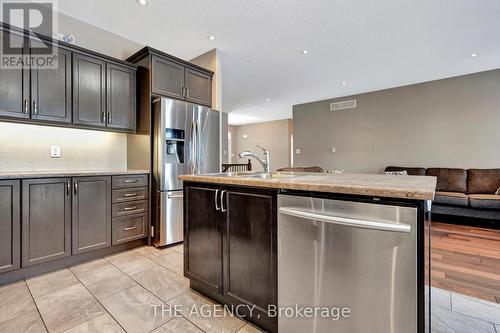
[
  {"x": 129, "y": 228},
  {"x": 130, "y": 208},
  {"x": 128, "y": 181},
  {"x": 128, "y": 195}
]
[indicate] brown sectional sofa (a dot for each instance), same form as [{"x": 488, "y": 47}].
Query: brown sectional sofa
[{"x": 459, "y": 192}]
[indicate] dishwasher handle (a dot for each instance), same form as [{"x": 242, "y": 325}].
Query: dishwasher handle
[{"x": 366, "y": 224}]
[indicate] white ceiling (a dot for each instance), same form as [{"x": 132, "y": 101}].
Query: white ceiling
[{"x": 370, "y": 44}]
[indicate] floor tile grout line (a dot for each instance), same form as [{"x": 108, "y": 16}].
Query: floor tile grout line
[
  {"x": 98, "y": 301},
  {"x": 36, "y": 305}
]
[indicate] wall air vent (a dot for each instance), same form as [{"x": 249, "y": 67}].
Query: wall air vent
[{"x": 337, "y": 106}]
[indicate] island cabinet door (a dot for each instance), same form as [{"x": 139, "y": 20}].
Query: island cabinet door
[
  {"x": 10, "y": 245},
  {"x": 250, "y": 249},
  {"x": 46, "y": 220},
  {"x": 91, "y": 213},
  {"x": 203, "y": 236}
]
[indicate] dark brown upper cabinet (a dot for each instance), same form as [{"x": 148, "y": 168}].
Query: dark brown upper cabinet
[
  {"x": 89, "y": 91},
  {"x": 198, "y": 87},
  {"x": 10, "y": 225},
  {"x": 91, "y": 213},
  {"x": 51, "y": 90},
  {"x": 168, "y": 78},
  {"x": 46, "y": 220},
  {"x": 14, "y": 88},
  {"x": 86, "y": 90},
  {"x": 120, "y": 97},
  {"x": 163, "y": 75}
]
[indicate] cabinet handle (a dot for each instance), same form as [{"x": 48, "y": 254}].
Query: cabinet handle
[
  {"x": 183, "y": 92},
  {"x": 128, "y": 195},
  {"x": 68, "y": 187},
  {"x": 187, "y": 92},
  {"x": 26, "y": 106},
  {"x": 216, "y": 202},
  {"x": 75, "y": 187},
  {"x": 130, "y": 228},
  {"x": 128, "y": 181},
  {"x": 222, "y": 202},
  {"x": 35, "y": 111},
  {"x": 103, "y": 117},
  {"x": 109, "y": 117},
  {"x": 129, "y": 208}
]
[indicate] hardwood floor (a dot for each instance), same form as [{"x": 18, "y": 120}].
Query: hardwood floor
[{"x": 466, "y": 260}]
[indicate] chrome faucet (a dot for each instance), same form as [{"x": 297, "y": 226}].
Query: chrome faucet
[{"x": 266, "y": 161}]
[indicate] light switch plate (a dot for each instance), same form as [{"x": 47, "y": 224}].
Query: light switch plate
[
  {"x": 55, "y": 151},
  {"x": 297, "y": 151},
  {"x": 333, "y": 149}
]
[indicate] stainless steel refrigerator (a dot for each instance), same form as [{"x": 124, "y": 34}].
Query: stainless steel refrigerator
[{"x": 186, "y": 141}]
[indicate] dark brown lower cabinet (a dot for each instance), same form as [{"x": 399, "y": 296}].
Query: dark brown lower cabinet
[
  {"x": 203, "y": 236},
  {"x": 250, "y": 249},
  {"x": 231, "y": 241},
  {"x": 10, "y": 225},
  {"x": 46, "y": 220},
  {"x": 91, "y": 213}
]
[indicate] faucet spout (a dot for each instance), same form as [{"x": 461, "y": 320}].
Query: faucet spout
[{"x": 265, "y": 162}]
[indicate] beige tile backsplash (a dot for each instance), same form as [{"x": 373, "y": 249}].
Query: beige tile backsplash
[{"x": 27, "y": 148}]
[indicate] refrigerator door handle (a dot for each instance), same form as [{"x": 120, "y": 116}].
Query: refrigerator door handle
[
  {"x": 193, "y": 142},
  {"x": 365, "y": 224}
]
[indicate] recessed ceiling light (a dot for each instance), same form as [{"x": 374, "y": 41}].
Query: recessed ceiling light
[
  {"x": 304, "y": 51},
  {"x": 268, "y": 99},
  {"x": 211, "y": 37},
  {"x": 472, "y": 55},
  {"x": 343, "y": 83},
  {"x": 142, "y": 2}
]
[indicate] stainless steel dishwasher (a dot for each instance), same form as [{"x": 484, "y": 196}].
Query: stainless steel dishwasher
[{"x": 347, "y": 254}]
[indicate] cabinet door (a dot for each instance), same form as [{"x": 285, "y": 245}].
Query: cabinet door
[
  {"x": 51, "y": 90},
  {"x": 10, "y": 222},
  {"x": 14, "y": 86},
  {"x": 46, "y": 220},
  {"x": 91, "y": 213},
  {"x": 198, "y": 87},
  {"x": 203, "y": 236},
  {"x": 168, "y": 78},
  {"x": 120, "y": 97},
  {"x": 89, "y": 91},
  {"x": 250, "y": 250}
]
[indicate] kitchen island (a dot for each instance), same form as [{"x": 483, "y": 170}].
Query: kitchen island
[{"x": 265, "y": 242}]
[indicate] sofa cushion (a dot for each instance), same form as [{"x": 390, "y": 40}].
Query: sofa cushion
[
  {"x": 449, "y": 180},
  {"x": 483, "y": 181},
  {"x": 451, "y": 198},
  {"x": 489, "y": 201},
  {"x": 411, "y": 171}
]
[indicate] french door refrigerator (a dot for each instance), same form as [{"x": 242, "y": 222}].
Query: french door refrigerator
[{"x": 186, "y": 141}]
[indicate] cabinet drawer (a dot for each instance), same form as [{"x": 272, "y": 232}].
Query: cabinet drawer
[
  {"x": 130, "y": 194},
  {"x": 129, "y": 208},
  {"x": 126, "y": 229},
  {"x": 130, "y": 181}
]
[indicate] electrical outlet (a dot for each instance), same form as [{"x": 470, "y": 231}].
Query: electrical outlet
[
  {"x": 55, "y": 151},
  {"x": 333, "y": 149},
  {"x": 298, "y": 151}
]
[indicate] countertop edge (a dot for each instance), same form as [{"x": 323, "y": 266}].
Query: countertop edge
[
  {"x": 56, "y": 174},
  {"x": 308, "y": 186}
]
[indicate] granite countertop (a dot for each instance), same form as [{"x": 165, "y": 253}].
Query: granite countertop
[
  {"x": 78, "y": 173},
  {"x": 391, "y": 186}
]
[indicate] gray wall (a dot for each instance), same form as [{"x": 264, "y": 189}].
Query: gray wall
[
  {"x": 273, "y": 135},
  {"x": 446, "y": 123}
]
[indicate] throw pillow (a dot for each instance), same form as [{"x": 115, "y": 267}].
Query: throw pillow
[{"x": 397, "y": 173}]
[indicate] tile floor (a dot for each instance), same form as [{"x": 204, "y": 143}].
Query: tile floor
[
  {"x": 119, "y": 293},
  {"x": 456, "y": 313}
]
